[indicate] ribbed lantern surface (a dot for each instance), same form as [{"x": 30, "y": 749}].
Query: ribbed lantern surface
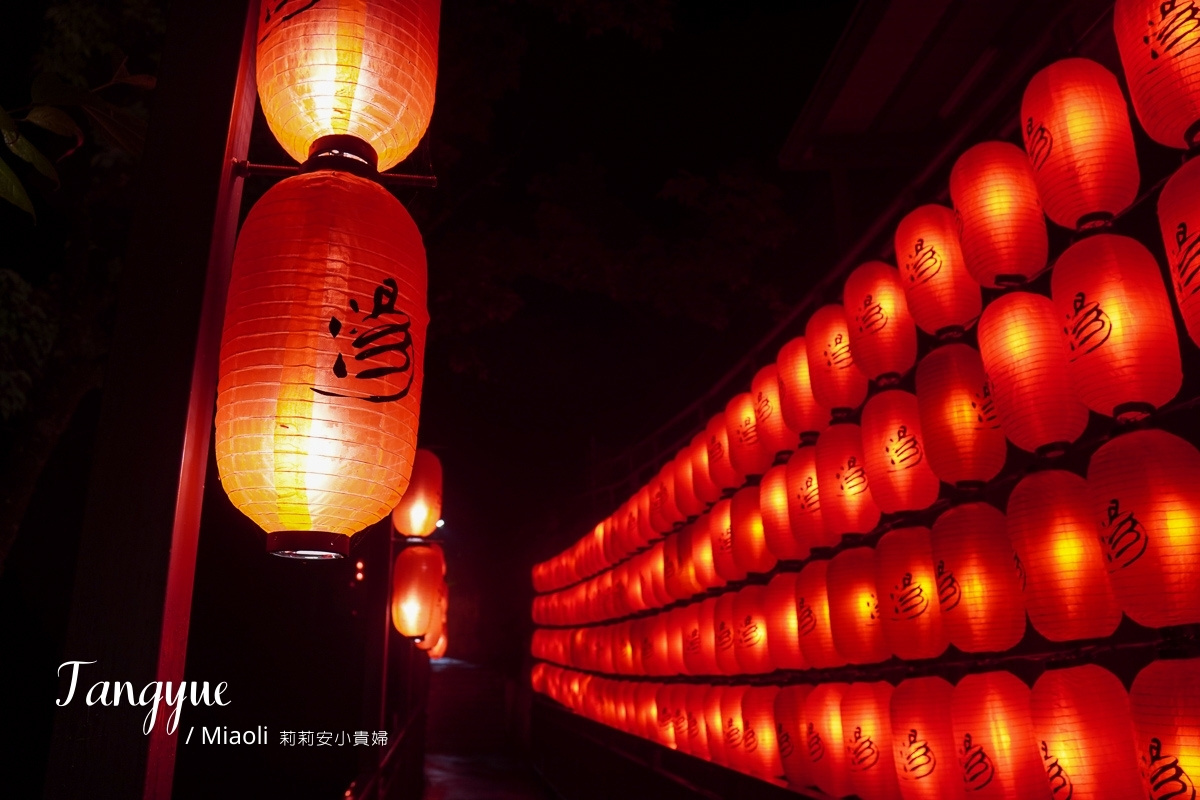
[
  {"x": 416, "y": 578},
  {"x": 866, "y": 728},
  {"x": 812, "y": 617},
  {"x": 837, "y": 382},
  {"x": 773, "y": 433},
  {"x": 776, "y": 522},
  {"x": 908, "y": 594},
  {"x": 418, "y": 512},
  {"x": 894, "y": 450},
  {"x": 883, "y": 339},
  {"x": 993, "y": 730},
  {"x": 804, "y": 500},
  {"x": 759, "y": 738},
  {"x": 941, "y": 294},
  {"x": 801, "y": 411},
  {"x": 720, "y": 533},
  {"x": 963, "y": 438},
  {"x": 1157, "y": 41},
  {"x": 1165, "y": 703},
  {"x": 747, "y": 451},
  {"x": 1179, "y": 221},
  {"x": 721, "y": 469},
  {"x": 823, "y": 737},
  {"x": 750, "y": 552},
  {"x": 791, "y": 728},
  {"x": 922, "y": 740},
  {"x": 854, "y": 615},
  {"x": 750, "y": 631},
  {"x": 846, "y": 502},
  {"x": 783, "y": 622}
]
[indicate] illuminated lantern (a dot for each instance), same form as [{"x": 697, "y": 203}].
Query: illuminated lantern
[
  {"x": 777, "y": 526},
  {"x": 854, "y": 607},
  {"x": 671, "y": 568},
  {"x": 1025, "y": 358},
  {"x": 942, "y": 296},
  {"x": 963, "y": 439},
  {"x": 687, "y": 581},
  {"x": 750, "y": 644},
  {"x": 420, "y": 510},
  {"x": 979, "y": 588},
  {"x": 1157, "y": 42},
  {"x": 706, "y": 491},
  {"x": 867, "y": 730},
  {"x": 1144, "y": 500},
  {"x": 812, "y": 617},
  {"x": 1165, "y": 701},
  {"x": 882, "y": 336},
  {"x": 908, "y": 589},
  {"x": 838, "y": 385},
  {"x": 1079, "y": 143},
  {"x": 783, "y": 626},
  {"x": 774, "y": 435},
  {"x": 437, "y": 620},
  {"x": 311, "y": 449},
  {"x": 686, "y": 501},
  {"x": 654, "y": 641},
  {"x": 1002, "y": 231},
  {"x": 997, "y": 751},
  {"x": 822, "y": 736},
  {"x": 347, "y": 69},
  {"x": 664, "y": 514},
  {"x": 1179, "y": 220},
  {"x": 699, "y": 638},
  {"x": 792, "y": 733},
  {"x": 801, "y": 411},
  {"x": 923, "y": 741},
  {"x": 623, "y": 646},
  {"x": 1087, "y": 747},
  {"x": 759, "y": 738},
  {"x": 846, "y": 502},
  {"x": 725, "y": 635},
  {"x": 747, "y": 451},
  {"x": 750, "y": 552},
  {"x": 720, "y": 467},
  {"x": 720, "y": 532},
  {"x": 1052, "y": 529},
  {"x": 656, "y": 717},
  {"x": 732, "y": 726},
  {"x": 894, "y": 453},
  {"x": 703, "y": 563},
  {"x": 647, "y": 532},
  {"x": 804, "y": 500},
  {"x": 674, "y": 622},
  {"x": 697, "y": 730},
  {"x": 714, "y": 723},
  {"x": 416, "y": 579},
  {"x": 1124, "y": 350}
]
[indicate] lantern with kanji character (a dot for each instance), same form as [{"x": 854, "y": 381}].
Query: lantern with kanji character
[
  {"x": 942, "y": 296},
  {"x": 750, "y": 644},
  {"x": 707, "y": 492},
  {"x": 922, "y": 740},
  {"x": 416, "y": 582},
  {"x": 750, "y": 552},
  {"x": 883, "y": 338},
  {"x": 791, "y": 730},
  {"x": 854, "y": 615},
  {"x": 776, "y": 523},
  {"x": 437, "y": 619},
  {"x": 963, "y": 439},
  {"x": 993, "y": 730},
  {"x": 714, "y": 723},
  {"x": 697, "y": 730},
  {"x": 760, "y": 741},
  {"x": 822, "y": 738},
  {"x": 686, "y": 500},
  {"x": 733, "y": 726},
  {"x": 783, "y": 622},
  {"x": 1157, "y": 41},
  {"x": 1179, "y": 221},
  {"x": 721, "y": 469},
  {"x": 847, "y": 505},
  {"x": 748, "y": 453},
  {"x": 699, "y": 638},
  {"x": 838, "y": 385},
  {"x": 774, "y": 435},
  {"x": 812, "y": 616},
  {"x": 720, "y": 533},
  {"x": 908, "y": 594},
  {"x": 725, "y": 632},
  {"x": 804, "y": 500},
  {"x": 867, "y": 731},
  {"x": 801, "y": 412},
  {"x": 1165, "y": 703},
  {"x": 702, "y": 561},
  {"x": 894, "y": 453},
  {"x": 418, "y": 512}
]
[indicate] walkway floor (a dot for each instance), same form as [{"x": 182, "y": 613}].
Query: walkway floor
[{"x": 480, "y": 777}]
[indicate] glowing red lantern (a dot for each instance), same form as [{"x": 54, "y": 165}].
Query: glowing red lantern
[
  {"x": 686, "y": 501},
  {"x": 804, "y": 500},
  {"x": 1087, "y": 747},
  {"x": 750, "y": 552},
  {"x": 894, "y": 453},
  {"x": 882, "y": 336},
  {"x": 854, "y": 607},
  {"x": 436, "y": 629},
  {"x": 942, "y": 296},
  {"x": 664, "y": 515},
  {"x": 687, "y": 581},
  {"x": 416, "y": 580},
  {"x": 1165, "y": 705},
  {"x": 750, "y": 633},
  {"x": 923, "y": 740},
  {"x": 801, "y": 411},
  {"x": 812, "y": 617},
  {"x": 714, "y": 723},
  {"x": 699, "y": 638},
  {"x": 1067, "y": 590},
  {"x": 791, "y": 728},
  {"x": 823, "y": 737},
  {"x": 759, "y": 738},
  {"x": 963, "y": 439},
  {"x": 783, "y": 623},
  {"x": 747, "y": 451},
  {"x": 697, "y": 730},
  {"x": 310, "y": 449},
  {"x": 777, "y": 526},
  {"x": 703, "y": 563},
  {"x": 646, "y": 530},
  {"x": 1025, "y": 358},
  {"x": 838, "y": 385},
  {"x": 847, "y": 505},
  {"x": 993, "y": 729},
  {"x": 866, "y": 728},
  {"x": 725, "y": 634},
  {"x": 1144, "y": 498},
  {"x": 1162, "y": 67},
  {"x": 706, "y": 491},
  {"x": 908, "y": 589},
  {"x": 720, "y": 532},
  {"x": 1002, "y": 231},
  {"x": 420, "y": 510},
  {"x": 675, "y": 620},
  {"x": 774, "y": 435},
  {"x": 721, "y": 469},
  {"x": 979, "y": 588},
  {"x": 1179, "y": 220}
]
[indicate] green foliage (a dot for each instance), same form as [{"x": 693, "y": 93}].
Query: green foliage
[{"x": 27, "y": 333}]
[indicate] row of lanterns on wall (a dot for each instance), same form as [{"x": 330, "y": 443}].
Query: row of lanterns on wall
[{"x": 420, "y": 597}]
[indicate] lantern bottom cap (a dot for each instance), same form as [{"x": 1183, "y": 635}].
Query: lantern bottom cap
[
  {"x": 308, "y": 545},
  {"x": 1133, "y": 412}
]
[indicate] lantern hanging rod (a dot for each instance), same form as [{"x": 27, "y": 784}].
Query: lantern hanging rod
[{"x": 246, "y": 168}]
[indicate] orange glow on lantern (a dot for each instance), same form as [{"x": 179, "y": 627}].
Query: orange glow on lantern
[
  {"x": 997, "y": 751},
  {"x": 702, "y": 484},
  {"x": 867, "y": 730},
  {"x": 783, "y": 623},
  {"x": 750, "y": 552},
  {"x": 1157, "y": 42},
  {"x": 720, "y": 532},
  {"x": 725, "y": 635},
  {"x": 419, "y": 510},
  {"x": 697, "y": 730},
  {"x": 714, "y": 723},
  {"x": 747, "y": 453},
  {"x": 750, "y": 631},
  {"x": 923, "y": 740},
  {"x": 823, "y": 738},
  {"x": 801, "y": 411},
  {"x": 732, "y": 726},
  {"x": 688, "y": 581},
  {"x": 703, "y": 562},
  {"x": 837, "y": 382},
  {"x": 894, "y": 453},
  {"x": 663, "y": 513},
  {"x": 674, "y": 623},
  {"x": 699, "y": 638},
  {"x": 908, "y": 594},
  {"x": 847, "y": 505},
  {"x": 437, "y": 619},
  {"x": 791, "y": 729},
  {"x": 882, "y": 336},
  {"x": 759, "y": 737},
  {"x": 812, "y": 617},
  {"x": 1002, "y": 231},
  {"x": 686, "y": 500},
  {"x": 1179, "y": 221},
  {"x": 1052, "y": 529},
  {"x": 854, "y": 607},
  {"x": 1025, "y": 358},
  {"x": 774, "y": 435},
  {"x": 416, "y": 579},
  {"x": 777, "y": 526},
  {"x": 1165, "y": 705},
  {"x": 804, "y": 500},
  {"x": 721, "y": 470},
  {"x": 941, "y": 294},
  {"x": 963, "y": 438}
]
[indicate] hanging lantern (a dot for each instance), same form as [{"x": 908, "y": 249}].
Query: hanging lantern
[
  {"x": 804, "y": 500},
  {"x": 674, "y": 622},
  {"x": 908, "y": 589},
  {"x": 941, "y": 295},
  {"x": 854, "y": 607},
  {"x": 1143, "y": 494},
  {"x": 703, "y": 562},
  {"x": 774, "y": 435},
  {"x": 1025, "y": 358},
  {"x": 801, "y": 411},
  {"x": 687, "y": 581},
  {"x": 664, "y": 514},
  {"x": 1079, "y": 143},
  {"x": 1087, "y": 747},
  {"x": 1179, "y": 220},
  {"x": 346, "y": 69},
  {"x": 1124, "y": 350},
  {"x": 791, "y": 730},
  {"x": 923, "y": 740},
  {"x": 750, "y": 552},
  {"x": 747, "y": 451},
  {"x": 963, "y": 439},
  {"x": 714, "y": 723},
  {"x": 437, "y": 619},
  {"x": 750, "y": 642},
  {"x": 783, "y": 623},
  {"x": 822, "y": 736},
  {"x": 997, "y": 750},
  {"x": 697, "y": 730},
  {"x": 672, "y": 571},
  {"x": 438, "y": 651},
  {"x": 699, "y": 638},
  {"x": 847, "y": 505},
  {"x": 1162, "y": 67},
  {"x": 1052, "y": 529},
  {"x": 812, "y": 617},
  {"x": 416, "y": 580},
  {"x": 894, "y": 453},
  {"x": 734, "y": 727},
  {"x": 725, "y": 635},
  {"x": 866, "y": 728},
  {"x": 1165, "y": 701},
  {"x": 838, "y": 385},
  {"x": 720, "y": 532},
  {"x": 706, "y": 491},
  {"x": 777, "y": 526},
  {"x": 759, "y": 738},
  {"x": 420, "y": 510},
  {"x": 329, "y": 268},
  {"x": 720, "y": 467},
  {"x": 979, "y": 588},
  {"x": 686, "y": 500},
  {"x": 1002, "y": 231},
  {"x": 882, "y": 336},
  {"x": 646, "y": 530}
]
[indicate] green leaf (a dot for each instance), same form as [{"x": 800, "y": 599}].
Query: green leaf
[
  {"x": 23, "y": 148},
  {"x": 55, "y": 120},
  {"x": 117, "y": 126},
  {"x": 12, "y": 190}
]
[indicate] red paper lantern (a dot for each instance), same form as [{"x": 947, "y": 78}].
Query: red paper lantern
[
  {"x": 882, "y": 336},
  {"x": 837, "y": 382},
  {"x": 688, "y": 581},
  {"x": 812, "y": 617},
  {"x": 416, "y": 580},
  {"x": 979, "y": 588},
  {"x": 706, "y": 491},
  {"x": 1087, "y": 747},
  {"x": 700, "y": 638},
  {"x": 1067, "y": 590},
  {"x": 1025, "y": 358},
  {"x": 725, "y": 635},
  {"x": 664, "y": 515},
  {"x": 720, "y": 533},
  {"x": 1001, "y": 228},
  {"x": 732, "y": 726},
  {"x": 1079, "y": 142},
  {"x": 672, "y": 572},
  {"x": 1162, "y": 67},
  {"x": 783, "y": 623},
  {"x": 714, "y": 723},
  {"x": 866, "y": 728},
  {"x": 801, "y": 411},
  {"x": 823, "y": 737},
  {"x": 854, "y": 607},
  {"x": 941, "y": 294},
  {"x": 439, "y": 649},
  {"x": 804, "y": 500},
  {"x": 1143, "y": 489},
  {"x": 750, "y": 552},
  {"x": 689, "y": 505},
  {"x": 791, "y": 729},
  {"x": 847, "y": 505},
  {"x": 908, "y": 594},
  {"x": 747, "y": 451},
  {"x": 774, "y": 435},
  {"x": 1179, "y": 220},
  {"x": 1165, "y": 705},
  {"x": 647, "y": 533},
  {"x": 674, "y": 622},
  {"x": 759, "y": 738},
  {"x": 310, "y": 449},
  {"x": 894, "y": 451},
  {"x": 703, "y": 562},
  {"x": 363, "y": 70},
  {"x": 750, "y": 632},
  {"x": 963, "y": 439},
  {"x": 721, "y": 469},
  {"x": 776, "y": 524},
  {"x": 697, "y": 730},
  {"x": 997, "y": 750},
  {"x": 1124, "y": 350},
  {"x": 923, "y": 741},
  {"x": 420, "y": 510},
  {"x": 437, "y": 618}
]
